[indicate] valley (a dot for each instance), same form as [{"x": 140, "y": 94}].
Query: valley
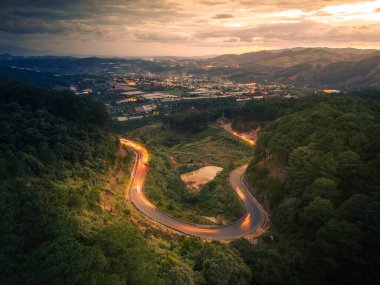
[{"x": 203, "y": 142}]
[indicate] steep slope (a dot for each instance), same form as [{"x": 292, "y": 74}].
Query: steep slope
[
  {"x": 317, "y": 169},
  {"x": 55, "y": 152}
]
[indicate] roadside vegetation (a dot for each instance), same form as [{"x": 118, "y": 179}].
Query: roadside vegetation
[
  {"x": 65, "y": 220},
  {"x": 55, "y": 158},
  {"x": 174, "y": 153},
  {"x": 317, "y": 170},
  {"x": 64, "y": 217}
]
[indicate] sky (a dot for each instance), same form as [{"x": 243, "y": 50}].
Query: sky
[{"x": 184, "y": 27}]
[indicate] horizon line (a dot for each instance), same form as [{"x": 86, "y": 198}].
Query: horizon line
[{"x": 48, "y": 54}]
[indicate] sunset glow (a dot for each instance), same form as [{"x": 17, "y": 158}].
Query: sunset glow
[{"x": 185, "y": 28}]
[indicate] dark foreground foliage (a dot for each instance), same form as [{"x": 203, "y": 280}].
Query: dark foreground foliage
[
  {"x": 324, "y": 198},
  {"x": 325, "y": 206},
  {"x": 54, "y": 154}
]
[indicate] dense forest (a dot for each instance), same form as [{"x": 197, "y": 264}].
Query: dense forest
[
  {"x": 317, "y": 170},
  {"x": 194, "y": 116},
  {"x": 56, "y": 151},
  {"x": 315, "y": 167}
]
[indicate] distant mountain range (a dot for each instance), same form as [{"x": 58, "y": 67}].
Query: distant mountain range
[
  {"x": 346, "y": 68},
  {"x": 39, "y": 79},
  {"x": 320, "y": 67},
  {"x": 292, "y": 57}
]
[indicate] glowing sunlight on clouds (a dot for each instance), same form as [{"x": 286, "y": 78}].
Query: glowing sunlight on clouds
[{"x": 178, "y": 27}]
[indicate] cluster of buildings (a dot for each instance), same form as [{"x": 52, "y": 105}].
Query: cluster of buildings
[{"x": 130, "y": 95}]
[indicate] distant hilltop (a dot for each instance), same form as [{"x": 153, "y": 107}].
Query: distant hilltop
[
  {"x": 327, "y": 68},
  {"x": 345, "y": 68}
]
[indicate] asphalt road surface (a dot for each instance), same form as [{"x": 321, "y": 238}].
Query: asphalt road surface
[{"x": 251, "y": 221}]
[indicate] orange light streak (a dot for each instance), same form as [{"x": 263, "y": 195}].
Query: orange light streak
[
  {"x": 247, "y": 221},
  {"x": 198, "y": 230},
  {"x": 244, "y": 138},
  {"x": 241, "y": 194}
]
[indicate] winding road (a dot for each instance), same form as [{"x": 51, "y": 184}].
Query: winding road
[{"x": 250, "y": 222}]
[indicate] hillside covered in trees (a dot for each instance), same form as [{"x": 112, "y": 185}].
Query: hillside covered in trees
[
  {"x": 317, "y": 170},
  {"x": 56, "y": 152},
  {"x": 39, "y": 79}
]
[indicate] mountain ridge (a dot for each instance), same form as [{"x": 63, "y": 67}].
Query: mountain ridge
[{"x": 345, "y": 68}]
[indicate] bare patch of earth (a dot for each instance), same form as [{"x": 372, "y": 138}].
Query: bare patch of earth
[{"x": 195, "y": 179}]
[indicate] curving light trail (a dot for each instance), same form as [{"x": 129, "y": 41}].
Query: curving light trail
[{"x": 251, "y": 221}]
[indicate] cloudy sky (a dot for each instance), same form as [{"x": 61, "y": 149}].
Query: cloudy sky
[{"x": 185, "y": 27}]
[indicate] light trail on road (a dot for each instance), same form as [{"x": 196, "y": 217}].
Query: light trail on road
[
  {"x": 244, "y": 138},
  {"x": 251, "y": 221}
]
